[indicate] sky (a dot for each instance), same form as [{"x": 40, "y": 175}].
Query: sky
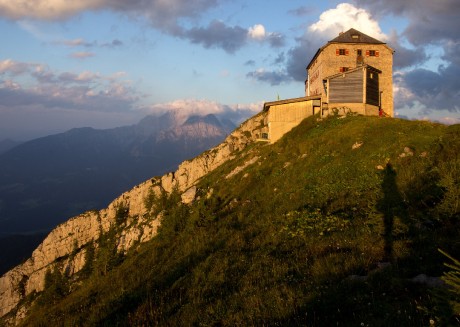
[{"x": 108, "y": 63}]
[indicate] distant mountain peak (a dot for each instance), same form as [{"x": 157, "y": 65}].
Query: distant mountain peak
[{"x": 208, "y": 119}]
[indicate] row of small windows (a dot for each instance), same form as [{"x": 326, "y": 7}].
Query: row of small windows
[{"x": 359, "y": 52}]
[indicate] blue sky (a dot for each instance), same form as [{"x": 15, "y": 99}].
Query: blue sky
[{"x": 107, "y": 63}]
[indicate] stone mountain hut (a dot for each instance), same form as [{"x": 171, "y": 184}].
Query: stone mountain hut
[{"x": 351, "y": 73}]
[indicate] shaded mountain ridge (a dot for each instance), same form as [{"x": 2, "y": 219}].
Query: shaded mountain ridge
[{"x": 46, "y": 180}]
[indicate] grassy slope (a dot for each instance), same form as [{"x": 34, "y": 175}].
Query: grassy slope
[{"x": 279, "y": 244}]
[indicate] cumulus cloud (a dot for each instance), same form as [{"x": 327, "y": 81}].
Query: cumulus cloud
[
  {"x": 257, "y": 32},
  {"x": 66, "y": 90},
  {"x": 405, "y": 57},
  {"x": 45, "y": 10},
  {"x": 200, "y": 107},
  {"x": 182, "y": 109},
  {"x": 279, "y": 59},
  {"x": 271, "y": 77},
  {"x": 342, "y": 18},
  {"x": 431, "y": 90},
  {"x": 13, "y": 67},
  {"x": 162, "y": 14},
  {"x": 230, "y": 38},
  {"x": 429, "y": 21},
  {"x": 218, "y": 35},
  {"x": 166, "y": 16},
  {"x": 276, "y": 40},
  {"x": 330, "y": 24},
  {"x": 188, "y": 107},
  {"x": 83, "y": 77}
]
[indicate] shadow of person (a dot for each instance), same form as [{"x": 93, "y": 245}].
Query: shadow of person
[{"x": 391, "y": 205}]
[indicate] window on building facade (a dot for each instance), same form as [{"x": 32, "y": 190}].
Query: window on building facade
[
  {"x": 359, "y": 52},
  {"x": 342, "y": 52},
  {"x": 372, "y": 53},
  {"x": 344, "y": 69}
]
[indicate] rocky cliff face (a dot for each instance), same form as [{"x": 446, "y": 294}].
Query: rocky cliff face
[{"x": 65, "y": 247}]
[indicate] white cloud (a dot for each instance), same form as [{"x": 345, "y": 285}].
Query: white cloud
[
  {"x": 342, "y": 18},
  {"x": 257, "y": 32},
  {"x": 82, "y": 55},
  {"x": 46, "y": 88},
  {"x": 161, "y": 13},
  {"x": 184, "y": 108},
  {"x": 87, "y": 76},
  {"x": 254, "y": 107},
  {"x": 46, "y": 9},
  {"x": 188, "y": 106},
  {"x": 13, "y": 67}
]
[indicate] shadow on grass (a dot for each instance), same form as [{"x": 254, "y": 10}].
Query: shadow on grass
[{"x": 391, "y": 206}]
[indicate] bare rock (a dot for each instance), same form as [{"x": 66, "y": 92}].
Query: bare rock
[
  {"x": 357, "y": 145},
  {"x": 167, "y": 182},
  {"x": 189, "y": 195},
  {"x": 242, "y": 167}
]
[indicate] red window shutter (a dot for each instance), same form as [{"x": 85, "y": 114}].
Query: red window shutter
[
  {"x": 337, "y": 52},
  {"x": 367, "y": 53},
  {"x": 347, "y": 52},
  {"x": 341, "y": 69},
  {"x": 376, "y": 53}
]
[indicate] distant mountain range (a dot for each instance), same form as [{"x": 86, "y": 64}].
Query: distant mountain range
[
  {"x": 47, "y": 180},
  {"x": 8, "y": 144}
]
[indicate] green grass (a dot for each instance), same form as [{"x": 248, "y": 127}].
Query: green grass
[{"x": 279, "y": 246}]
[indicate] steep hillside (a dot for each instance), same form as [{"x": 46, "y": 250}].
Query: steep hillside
[
  {"x": 338, "y": 223},
  {"x": 67, "y": 248}
]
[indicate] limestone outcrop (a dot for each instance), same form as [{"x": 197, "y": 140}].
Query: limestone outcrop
[{"x": 65, "y": 247}]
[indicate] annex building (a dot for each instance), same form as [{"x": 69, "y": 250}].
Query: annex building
[{"x": 351, "y": 73}]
